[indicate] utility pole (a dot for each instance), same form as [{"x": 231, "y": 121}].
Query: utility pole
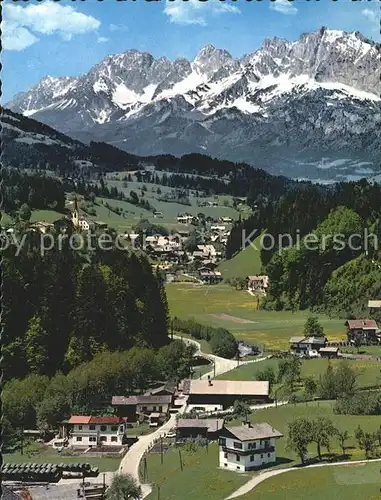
[
  {"x": 181, "y": 461},
  {"x": 161, "y": 449}
]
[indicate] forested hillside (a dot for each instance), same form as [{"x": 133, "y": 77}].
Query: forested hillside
[
  {"x": 337, "y": 280},
  {"x": 63, "y": 308}
]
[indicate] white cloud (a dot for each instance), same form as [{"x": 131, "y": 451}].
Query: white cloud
[
  {"x": 284, "y": 7},
  {"x": 47, "y": 19},
  {"x": 370, "y": 14},
  {"x": 118, "y": 27},
  {"x": 373, "y": 17},
  {"x": 196, "y": 12},
  {"x": 102, "y": 39},
  {"x": 16, "y": 37}
]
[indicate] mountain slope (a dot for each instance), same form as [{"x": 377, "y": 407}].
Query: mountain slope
[{"x": 283, "y": 107}]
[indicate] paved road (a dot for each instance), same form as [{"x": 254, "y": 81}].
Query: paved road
[
  {"x": 250, "y": 485},
  {"x": 222, "y": 365},
  {"x": 131, "y": 460}
]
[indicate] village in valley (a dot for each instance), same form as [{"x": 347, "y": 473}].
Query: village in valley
[
  {"x": 261, "y": 407},
  {"x": 190, "y": 250}
]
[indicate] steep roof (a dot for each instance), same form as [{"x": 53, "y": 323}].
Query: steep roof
[
  {"x": 362, "y": 323},
  {"x": 254, "y": 431},
  {"x": 79, "y": 419},
  {"x": 212, "y": 424},
  {"x": 106, "y": 420},
  {"x": 141, "y": 399}
]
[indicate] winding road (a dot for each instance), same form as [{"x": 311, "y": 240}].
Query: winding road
[{"x": 131, "y": 460}]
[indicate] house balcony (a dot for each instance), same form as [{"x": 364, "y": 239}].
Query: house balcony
[{"x": 252, "y": 451}]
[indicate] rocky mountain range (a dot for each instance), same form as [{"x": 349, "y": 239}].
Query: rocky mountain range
[{"x": 307, "y": 108}]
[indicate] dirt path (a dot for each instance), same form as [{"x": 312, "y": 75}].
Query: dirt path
[{"x": 250, "y": 485}]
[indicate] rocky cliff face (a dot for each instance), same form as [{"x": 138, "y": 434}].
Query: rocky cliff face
[{"x": 284, "y": 107}]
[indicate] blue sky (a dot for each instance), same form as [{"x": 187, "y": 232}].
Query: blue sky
[{"x": 64, "y": 37}]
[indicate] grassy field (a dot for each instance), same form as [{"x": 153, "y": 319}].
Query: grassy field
[
  {"x": 169, "y": 210},
  {"x": 281, "y": 416},
  {"x": 268, "y": 329},
  {"x": 245, "y": 263},
  {"x": 35, "y": 453},
  {"x": 45, "y": 216},
  {"x": 344, "y": 482},
  {"x": 200, "y": 479},
  {"x": 368, "y": 372}
]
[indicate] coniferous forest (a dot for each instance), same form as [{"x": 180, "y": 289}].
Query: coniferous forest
[{"x": 63, "y": 308}]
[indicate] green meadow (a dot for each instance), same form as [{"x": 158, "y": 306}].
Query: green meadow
[
  {"x": 343, "y": 482},
  {"x": 368, "y": 372},
  {"x": 223, "y": 306}
]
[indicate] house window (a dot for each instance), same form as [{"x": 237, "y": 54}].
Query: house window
[
  {"x": 237, "y": 445},
  {"x": 103, "y": 438},
  {"x": 261, "y": 455},
  {"x": 114, "y": 439},
  {"x": 252, "y": 446},
  {"x": 225, "y": 455},
  {"x": 160, "y": 409},
  {"x": 92, "y": 439},
  {"x": 238, "y": 458},
  {"x": 103, "y": 428},
  {"x": 154, "y": 408},
  {"x": 78, "y": 438},
  {"x": 251, "y": 458},
  {"x": 144, "y": 408},
  {"x": 114, "y": 428},
  {"x": 268, "y": 454},
  {"x": 80, "y": 427},
  {"x": 92, "y": 427},
  {"x": 222, "y": 442}
]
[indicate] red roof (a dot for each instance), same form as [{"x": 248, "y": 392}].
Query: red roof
[
  {"x": 106, "y": 420},
  {"x": 362, "y": 323},
  {"x": 79, "y": 419}
]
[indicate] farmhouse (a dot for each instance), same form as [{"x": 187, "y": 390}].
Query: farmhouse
[
  {"x": 225, "y": 392},
  {"x": 84, "y": 431},
  {"x": 191, "y": 428},
  {"x": 210, "y": 277},
  {"x": 247, "y": 447},
  {"x": 329, "y": 352},
  {"x": 364, "y": 330},
  {"x": 141, "y": 406},
  {"x": 258, "y": 284},
  {"x": 307, "y": 345}
]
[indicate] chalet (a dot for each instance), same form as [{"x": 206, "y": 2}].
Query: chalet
[
  {"x": 225, "y": 392},
  {"x": 307, "y": 345},
  {"x": 364, "y": 330},
  {"x": 210, "y": 277},
  {"x": 191, "y": 428},
  {"x": 247, "y": 447},
  {"x": 329, "y": 352},
  {"x": 84, "y": 431},
  {"x": 258, "y": 284},
  {"x": 141, "y": 406},
  {"x": 185, "y": 219}
]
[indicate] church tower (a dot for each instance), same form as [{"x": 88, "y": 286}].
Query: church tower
[{"x": 75, "y": 214}]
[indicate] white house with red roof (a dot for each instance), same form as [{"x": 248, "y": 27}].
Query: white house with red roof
[{"x": 84, "y": 431}]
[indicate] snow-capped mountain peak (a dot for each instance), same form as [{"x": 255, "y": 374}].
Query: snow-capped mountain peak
[{"x": 315, "y": 87}]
